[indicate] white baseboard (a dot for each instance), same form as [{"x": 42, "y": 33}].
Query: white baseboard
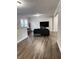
[
  {"x": 59, "y": 45},
  {"x": 22, "y": 39}
]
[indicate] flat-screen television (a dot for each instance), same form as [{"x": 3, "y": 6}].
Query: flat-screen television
[{"x": 44, "y": 24}]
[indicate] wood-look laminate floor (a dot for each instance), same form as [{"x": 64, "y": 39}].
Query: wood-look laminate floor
[{"x": 39, "y": 48}]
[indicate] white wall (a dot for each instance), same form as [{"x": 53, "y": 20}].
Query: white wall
[
  {"x": 35, "y": 22},
  {"x": 55, "y": 23},
  {"x": 58, "y": 12},
  {"x": 21, "y": 32}
]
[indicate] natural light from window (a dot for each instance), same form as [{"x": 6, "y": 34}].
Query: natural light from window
[{"x": 24, "y": 23}]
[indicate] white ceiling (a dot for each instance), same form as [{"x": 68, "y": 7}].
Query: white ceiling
[{"x": 31, "y": 7}]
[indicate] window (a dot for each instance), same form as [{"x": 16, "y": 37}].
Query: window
[{"x": 24, "y": 23}]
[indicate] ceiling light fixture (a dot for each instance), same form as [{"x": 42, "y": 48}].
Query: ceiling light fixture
[
  {"x": 37, "y": 15},
  {"x": 19, "y": 3}
]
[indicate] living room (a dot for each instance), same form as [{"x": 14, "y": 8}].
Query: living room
[
  {"x": 34, "y": 23},
  {"x": 39, "y": 27},
  {"x": 16, "y": 41}
]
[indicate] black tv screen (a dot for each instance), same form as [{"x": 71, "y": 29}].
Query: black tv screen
[{"x": 44, "y": 24}]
